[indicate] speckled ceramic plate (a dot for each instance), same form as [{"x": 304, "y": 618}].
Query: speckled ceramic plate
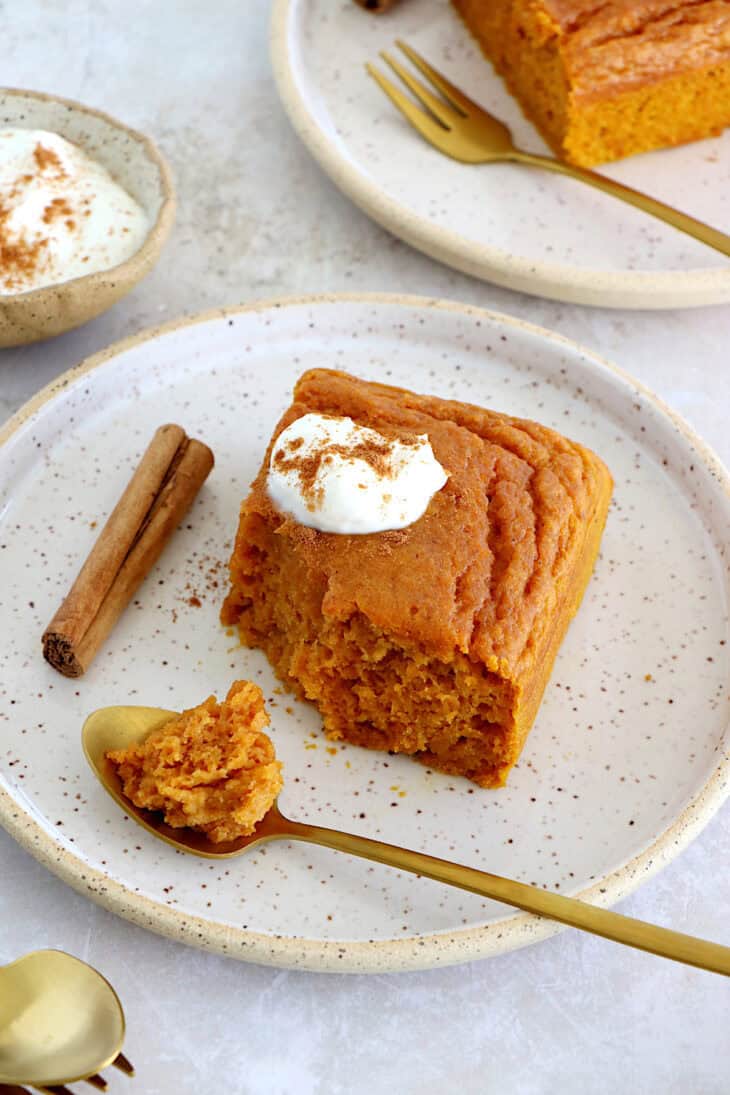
[
  {"x": 627, "y": 759},
  {"x": 515, "y": 226}
]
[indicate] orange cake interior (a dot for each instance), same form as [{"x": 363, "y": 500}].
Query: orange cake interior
[
  {"x": 436, "y": 640},
  {"x": 213, "y": 768},
  {"x": 606, "y": 80}
]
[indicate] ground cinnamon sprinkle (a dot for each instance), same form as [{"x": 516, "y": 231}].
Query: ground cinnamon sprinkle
[
  {"x": 210, "y": 571},
  {"x": 47, "y": 158},
  {"x": 377, "y": 453},
  {"x": 20, "y": 258},
  {"x": 56, "y": 209}
]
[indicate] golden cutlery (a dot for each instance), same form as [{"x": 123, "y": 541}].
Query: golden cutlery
[
  {"x": 60, "y": 1021},
  {"x": 112, "y": 728},
  {"x": 378, "y": 6},
  {"x": 457, "y": 126},
  {"x": 57, "y": 1089}
]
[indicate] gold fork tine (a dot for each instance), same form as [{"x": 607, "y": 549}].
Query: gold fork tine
[
  {"x": 455, "y": 96},
  {"x": 97, "y": 1081},
  {"x": 426, "y": 126},
  {"x": 441, "y": 112},
  {"x": 123, "y": 1064}
]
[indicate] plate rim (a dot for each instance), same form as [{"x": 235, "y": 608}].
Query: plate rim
[
  {"x": 357, "y": 956},
  {"x": 630, "y": 289}
]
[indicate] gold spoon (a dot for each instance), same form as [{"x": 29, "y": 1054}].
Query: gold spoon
[
  {"x": 60, "y": 1021},
  {"x": 119, "y": 727}
]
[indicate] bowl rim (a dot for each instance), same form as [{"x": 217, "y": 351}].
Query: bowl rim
[{"x": 158, "y": 231}]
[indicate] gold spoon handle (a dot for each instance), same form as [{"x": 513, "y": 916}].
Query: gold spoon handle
[
  {"x": 703, "y": 232},
  {"x": 568, "y": 910}
]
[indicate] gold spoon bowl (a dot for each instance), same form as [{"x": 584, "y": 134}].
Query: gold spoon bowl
[
  {"x": 60, "y": 1020},
  {"x": 112, "y": 728}
]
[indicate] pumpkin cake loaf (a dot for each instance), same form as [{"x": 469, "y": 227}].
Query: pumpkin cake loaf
[
  {"x": 606, "y": 80},
  {"x": 436, "y": 639}
]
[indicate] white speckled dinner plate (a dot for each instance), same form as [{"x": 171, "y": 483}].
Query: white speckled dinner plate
[
  {"x": 626, "y": 762},
  {"x": 516, "y": 226}
]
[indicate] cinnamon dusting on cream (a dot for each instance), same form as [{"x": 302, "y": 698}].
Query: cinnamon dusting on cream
[
  {"x": 47, "y": 158},
  {"x": 378, "y": 454},
  {"x": 58, "y": 208},
  {"x": 336, "y": 475}
]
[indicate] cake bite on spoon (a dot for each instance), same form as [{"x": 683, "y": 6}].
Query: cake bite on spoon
[{"x": 201, "y": 779}]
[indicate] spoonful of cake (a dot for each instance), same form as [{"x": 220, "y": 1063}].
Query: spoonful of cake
[{"x": 206, "y": 781}]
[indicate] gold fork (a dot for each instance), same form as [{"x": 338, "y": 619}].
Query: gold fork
[
  {"x": 455, "y": 125},
  {"x": 97, "y": 1081},
  {"x": 61, "y": 1022}
]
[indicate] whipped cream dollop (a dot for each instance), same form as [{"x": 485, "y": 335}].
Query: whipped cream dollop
[
  {"x": 61, "y": 213},
  {"x": 330, "y": 474}
]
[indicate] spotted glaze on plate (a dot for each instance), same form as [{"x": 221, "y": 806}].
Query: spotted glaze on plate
[
  {"x": 627, "y": 759},
  {"x": 516, "y": 226}
]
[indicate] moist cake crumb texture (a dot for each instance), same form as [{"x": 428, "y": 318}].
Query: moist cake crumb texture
[
  {"x": 436, "y": 640},
  {"x": 213, "y": 768}
]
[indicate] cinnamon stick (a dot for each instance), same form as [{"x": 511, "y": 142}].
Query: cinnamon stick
[
  {"x": 166, "y": 481},
  {"x": 378, "y": 6}
]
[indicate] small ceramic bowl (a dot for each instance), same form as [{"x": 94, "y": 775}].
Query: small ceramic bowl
[{"x": 135, "y": 163}]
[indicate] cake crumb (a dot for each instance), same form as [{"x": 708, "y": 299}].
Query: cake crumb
[{"x": 212, "y": 768}]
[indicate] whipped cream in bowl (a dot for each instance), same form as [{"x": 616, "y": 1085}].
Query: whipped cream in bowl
[
  {"x": 331, "y": 474},
  {"x": 86, "y": 205},
  {"x": 62, "y": 215}
]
